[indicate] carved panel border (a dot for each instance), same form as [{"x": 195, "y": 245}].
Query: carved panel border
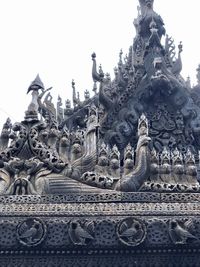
[
  {"x": 104, "y": 209},
  {"x": 103, "y": 197}
]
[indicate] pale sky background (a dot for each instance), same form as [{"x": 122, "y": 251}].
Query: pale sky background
[{"x": 56, "y": 38}]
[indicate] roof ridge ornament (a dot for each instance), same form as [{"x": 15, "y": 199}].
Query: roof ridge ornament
[
  {"x": 146, "y": 4},
  {"x": 35, "y": 86}
]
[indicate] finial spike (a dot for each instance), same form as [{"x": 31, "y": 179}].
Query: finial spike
[{"x": 36, "y": 84}]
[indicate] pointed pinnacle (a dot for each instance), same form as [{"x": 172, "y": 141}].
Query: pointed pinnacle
[{"x": 36, "y": 85}]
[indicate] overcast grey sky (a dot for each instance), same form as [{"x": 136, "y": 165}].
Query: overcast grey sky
[{"x": 56, "y": 38}]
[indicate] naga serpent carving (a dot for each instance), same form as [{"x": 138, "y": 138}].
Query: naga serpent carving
[
  {"x": 131, "y": 182},
  {"x": 134, "y": 181}
]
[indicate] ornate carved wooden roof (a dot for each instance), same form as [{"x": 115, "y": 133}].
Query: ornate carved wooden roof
[{"x": 115, "y": 174}]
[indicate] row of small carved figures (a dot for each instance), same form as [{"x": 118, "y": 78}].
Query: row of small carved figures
[
  {"x": 53, "y": 131},
  {"x": 129, "y": 231},
  {"x": 173, "y": 171},
  {"x": 174, "y": 156}
]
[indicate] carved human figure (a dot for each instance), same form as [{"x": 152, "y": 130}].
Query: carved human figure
[
  {"x": 165, "y": 168},
  {"x": 50, "y": 107},
  {"x": 68, "y": 111},
  {"x": 154, "y": 166},
  {"x": 103, "y": 162},
  {"x": 92, "y": 125},
  {"x": 87, "y": 95},
  {"x": 178, "y": 167},
  {"x": 128, "y": 159},
  {"x": 77, "y": 148},
  {"x": 191, "y": 169},
  {"x": 64, "y": 145},
  {"x": 114, "y": 169},
  {"x": 195, "y": 125},
  {"x": 53, "y": 136},
  {"x": 143, "y": 128},
  {"x": 59, "y": 110},
  {"x": 5, "y": 134},
  {"x": 93, "y": 117}
]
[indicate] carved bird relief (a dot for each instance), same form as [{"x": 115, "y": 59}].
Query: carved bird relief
[
  {"x": 81, "y": 233},
  {"x": 180, "y": 232},
  {"x": 131, "y": 232},
  {"x": 31, "y": 232}
]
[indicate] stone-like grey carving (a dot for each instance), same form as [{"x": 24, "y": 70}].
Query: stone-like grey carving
[
  {"x": 113, "y": 179},
  {"x": 81, "y": 233},
  {"x": 31, "y": 232},
  {"x": 131, "y": 232},
  {"x": 180, "y": 231}
]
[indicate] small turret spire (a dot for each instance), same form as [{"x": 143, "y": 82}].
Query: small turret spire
[
  {"x": 36, "y": 85},
  {"x": 76, "y": 99}
]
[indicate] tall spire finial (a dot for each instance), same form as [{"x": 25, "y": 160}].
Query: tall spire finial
[
  {"x": 144, "y": 4},
  {"x": 36, "y": 85}
]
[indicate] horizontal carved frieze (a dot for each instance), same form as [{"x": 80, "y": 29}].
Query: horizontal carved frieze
[
  {"x": 96, "y": 235},
  {"x": 98, "y": 209},
  {"x": 102, "y": 198}
]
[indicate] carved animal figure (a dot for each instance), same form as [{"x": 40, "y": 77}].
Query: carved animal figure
[
  {"x": 131, "y": 232},
  {"x": 134, "y": 181},
  {"x": 80, "y": 235},
  {"x": 180, "y": 233},
  {"x": 29, "y": 233}
]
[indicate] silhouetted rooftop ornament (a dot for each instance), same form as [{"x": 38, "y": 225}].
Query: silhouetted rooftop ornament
[
  {"x": 146, "y": 4},
  {"x": 198, "y": 75},
  {"x": 32, "y": 112},
  {"x": 76, "y": 96},
  {"x": 36, "y": 85},
  {"x": 87, "y": 95},
  {"x": 97, "y": 77},
  {"x": 188, "y": 82}
]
